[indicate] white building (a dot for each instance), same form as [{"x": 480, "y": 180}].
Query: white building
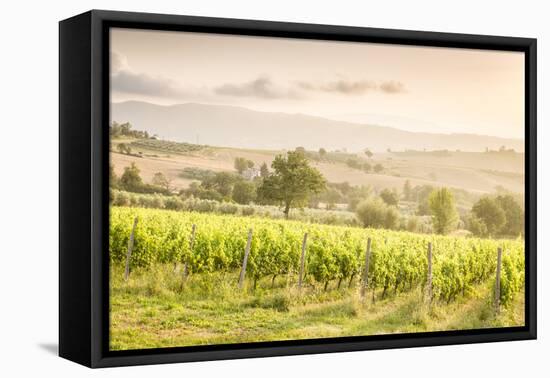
[{"x": 251, "y": 173}]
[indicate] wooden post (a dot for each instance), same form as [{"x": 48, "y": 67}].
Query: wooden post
[
  {"x": 191, "y": 244},
  {"x": 497, "y": 283},
  {"x": 429, "y": 291},
  {"x": 130, "y": 247},
  {"x": 245, "y": 259},
  {"x": 366, "y": 270},
  {"x": 302, "y": 261}
]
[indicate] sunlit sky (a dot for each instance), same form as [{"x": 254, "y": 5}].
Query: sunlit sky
[{"x": 425, "y": 89}]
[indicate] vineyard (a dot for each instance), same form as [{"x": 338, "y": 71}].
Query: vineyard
[
  {"x": 324, "y": 256},
  {"x": 167, "y": 146}
]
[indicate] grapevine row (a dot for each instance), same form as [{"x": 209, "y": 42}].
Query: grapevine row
[{"x": 398, "y": 260}]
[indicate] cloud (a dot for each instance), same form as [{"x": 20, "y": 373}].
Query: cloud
[
  {"x": 262, "y": 87},
  {"x": 350, "y": 87},
  {"x": 118, "y": 62},
  {"x": 340, "y": 86},
  {"x": 138, "y": 83},
  {"x": 124, "y": 79},
  {"x": 392, "y": 87}
]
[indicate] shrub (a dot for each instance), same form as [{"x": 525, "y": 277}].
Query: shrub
[
  {"x": 121, "y": 199},
  {"x": 375, "y": 213},
  {"x": 228, "y": 208},
  {"x": 174, "y": 203},
  {"x": 204, "y": 206},
  {"x": 244, "y": 192},
  {"x": 248, "y": 211}
]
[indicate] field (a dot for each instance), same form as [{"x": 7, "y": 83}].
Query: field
[
  {"x": 476, "y": 172},
  {"x": 183, "y": 287},
  {"x": 150, "y": 311}
]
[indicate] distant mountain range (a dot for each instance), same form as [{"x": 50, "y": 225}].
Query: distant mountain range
[{"x": 231, "y": 126}]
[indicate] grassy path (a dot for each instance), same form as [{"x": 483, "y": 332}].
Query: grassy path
[{"x": 152, "y": 310}]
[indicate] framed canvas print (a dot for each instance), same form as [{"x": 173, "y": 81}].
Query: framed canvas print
[{"x": 235, "y": 188}]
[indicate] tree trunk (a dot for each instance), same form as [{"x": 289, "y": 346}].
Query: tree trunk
[
  {"x": 287, "y": 209},
  {"x": 273, "y": 281},
  {"x": 351, "y": 280}
]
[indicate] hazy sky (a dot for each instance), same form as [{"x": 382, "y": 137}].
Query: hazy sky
[{"x": 413, "y": 88}]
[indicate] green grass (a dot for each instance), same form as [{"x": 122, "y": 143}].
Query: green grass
[{"x": 153, "y": 310}]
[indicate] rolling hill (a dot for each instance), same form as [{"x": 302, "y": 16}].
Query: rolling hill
[{"x": 238, "y": 127}]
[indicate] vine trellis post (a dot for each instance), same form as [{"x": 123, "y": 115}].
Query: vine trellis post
[
  {"x": 302, "y": 261},
  {"x": 245, "y": 259},
  {"x": 130, "y": 248},
  {"x": 365, "y": 285}
]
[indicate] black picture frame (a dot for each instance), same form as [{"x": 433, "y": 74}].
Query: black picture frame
[{"x": 83, "y": 181}]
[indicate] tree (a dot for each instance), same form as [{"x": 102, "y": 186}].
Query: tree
[
  {"x": 301, "y": 150},
  {"x": 423, "y": 207},
  {"x": 407, "y": 191},
  {"x": 114, "y": 129},
  {"x": 357, "y": 195},
  {"x": 476, "y": 226},
  {"x": 113, "y": 179},
  {"x": 332, "y": 196},
  {"x": 130, "y": 179},
  {"x": 264, "y": 171},
  {"x": 488, "y": 211},
  {"x": 391, "y": 220},
  {"x": 125, "y": 128},
  {"x": 123, "y": 148},
  {"x": 353, "y": 163},
  {"x": 240, "y": 164},
  {"x": 375, "y": 213},
  {"x": 514, "y": 214},
  {"x": 159, "y": 179},
  {"x": 322, "y": 153},
  {"x": 366, "y": 167},
  {"x": 249, "y": 164},
  {"x": 372, "y": 213},
  {"x": 378, "y": 168},
  {"x": 222, "y": 182},
  {"x": 368, "y": 153},
  {"x": 244, "y": 192},
  {"x": 196, "y": 190},
  {"x": 390, "y": 197},
  {"x": 421, "y": 194},
  {"x": 443, "y": 210},
  {"x": 292, "y": 182}
]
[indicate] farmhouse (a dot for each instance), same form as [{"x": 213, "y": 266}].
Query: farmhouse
[{"x": 251, "y": 173}]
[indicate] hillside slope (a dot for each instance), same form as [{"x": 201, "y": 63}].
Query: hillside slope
[{"x": 238, "y": 127}]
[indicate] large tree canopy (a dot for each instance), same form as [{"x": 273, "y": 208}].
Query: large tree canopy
[
  {"x": 130, "y": 179},
  {"x": 490, "y": 213},
  {"x": 292, "y": 182},
  {"x": 443, "y": 209}
]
